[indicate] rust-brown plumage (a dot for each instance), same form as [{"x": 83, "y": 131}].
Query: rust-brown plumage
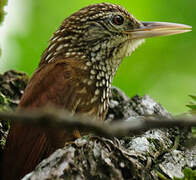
[{"x": 75, "y": 73}]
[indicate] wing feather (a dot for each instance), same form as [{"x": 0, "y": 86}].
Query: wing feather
[{"x": 26, "y": 146}]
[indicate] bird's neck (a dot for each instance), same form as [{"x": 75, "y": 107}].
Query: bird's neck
[{"x": 99, "y": 60}]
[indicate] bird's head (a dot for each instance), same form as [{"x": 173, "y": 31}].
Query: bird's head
[
  {"x": 103, "y": 34},
  {"x": 103, "y": 31},
  {"x": 94, "y": 41}
]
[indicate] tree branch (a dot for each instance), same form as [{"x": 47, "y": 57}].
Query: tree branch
[{"x": 53, "y": 118}]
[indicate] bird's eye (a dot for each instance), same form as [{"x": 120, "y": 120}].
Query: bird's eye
[{"x": 118, "y": 20}]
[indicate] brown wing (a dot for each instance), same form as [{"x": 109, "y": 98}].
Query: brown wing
[
  {"x": 51, "y": 84},
  {"x": 26, "y": 146}
]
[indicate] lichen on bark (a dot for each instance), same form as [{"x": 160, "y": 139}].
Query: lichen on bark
[{"x": 12, "y": 85}]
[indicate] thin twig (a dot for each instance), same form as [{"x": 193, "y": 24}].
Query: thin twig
[{"x": 52, "y": 118}]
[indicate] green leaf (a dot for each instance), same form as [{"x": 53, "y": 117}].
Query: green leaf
[
  {"x": 194, "y": 131},
  {"x": 192, "y": 106},
  {"x": 2, "y": 12},
  {"x": 193, "y": 97},
  {"x": 189, "y": 174}
]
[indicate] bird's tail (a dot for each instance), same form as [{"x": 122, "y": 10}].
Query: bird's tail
[{"x": 24, "y": 149}]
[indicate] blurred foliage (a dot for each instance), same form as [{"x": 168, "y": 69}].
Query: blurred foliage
[
  {"x": 189, "y": 174},
  {"x": 192, "y": 104},
  {"x": 163, "y": 67},
  {"x": 2, "y": 13}
]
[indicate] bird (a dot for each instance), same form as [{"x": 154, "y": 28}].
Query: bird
[{"x": 76, "y": 73}]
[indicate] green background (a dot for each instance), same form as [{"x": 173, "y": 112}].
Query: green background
[{"x": 164, "y": 68}]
